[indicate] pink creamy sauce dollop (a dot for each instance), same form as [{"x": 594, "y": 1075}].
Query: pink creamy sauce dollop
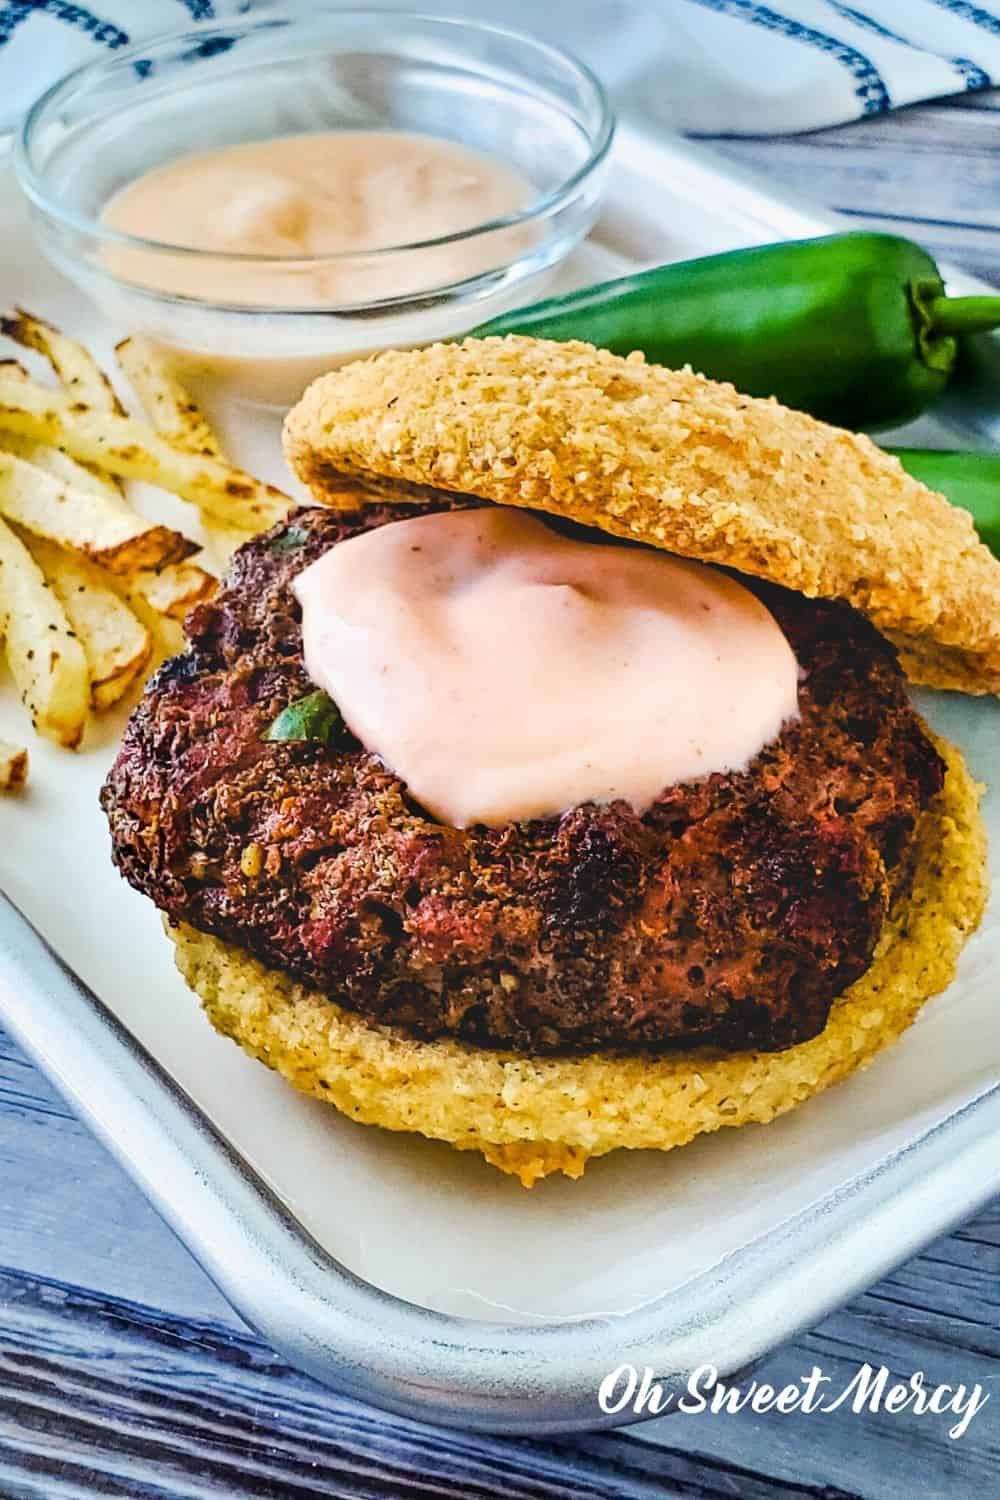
[{"x": 504, "y": 671}]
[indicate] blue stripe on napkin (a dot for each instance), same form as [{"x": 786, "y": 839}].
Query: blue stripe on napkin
[
  {"x": 11, "y": 17},
  {"x": 968, "y": 12},
  {"x": 870, "y": 90},
  {"x": 973, "y": 75},
  {"x": 79, "y": 16}
]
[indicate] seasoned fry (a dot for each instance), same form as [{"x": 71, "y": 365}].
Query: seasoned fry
[
  {"x": 55, "y": 460},
  {"x": 175, "y": 589},
  {"x": 124, "y": 446},
  {"x": 116, "y": 644},
  {"x": 171, "y": 409},
  {"x": 83, "y": 570},
  {"x": 62, "y": 467},
  {"x": 171, "y": 589},
  {"x": 176, "y": 415},
  {"x": 74, "y": 364},
  {"x": 165, "y": 631},
  {"x": 13, "y": 766},
  {"x": 84, "y": 521},
  {"x": 46, "y": 660}
]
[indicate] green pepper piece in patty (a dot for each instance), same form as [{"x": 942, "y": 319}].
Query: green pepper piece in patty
[
  {"x": 315, "y": 717},
  {"x": 288, "y": 540}
]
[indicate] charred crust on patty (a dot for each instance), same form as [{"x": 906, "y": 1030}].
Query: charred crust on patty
[{"x": 732, "y": 913}]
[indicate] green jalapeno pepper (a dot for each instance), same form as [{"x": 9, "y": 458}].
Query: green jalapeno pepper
[
  {"x": 971, "y": 480},
  {"x": 855, "y": 328}
]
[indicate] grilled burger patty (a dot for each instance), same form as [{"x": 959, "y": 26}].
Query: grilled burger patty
[{"x": 733, "y": 912}]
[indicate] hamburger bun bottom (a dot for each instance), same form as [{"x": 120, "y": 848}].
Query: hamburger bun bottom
[{"x": 536, "y": 1116}]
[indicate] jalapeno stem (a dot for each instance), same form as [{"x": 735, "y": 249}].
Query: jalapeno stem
[{"x": 955, "y": 316}]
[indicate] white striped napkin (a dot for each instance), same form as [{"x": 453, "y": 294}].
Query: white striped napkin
[
  {"x": 742, "y": 67},
  {"x": 712, "y": 66}
]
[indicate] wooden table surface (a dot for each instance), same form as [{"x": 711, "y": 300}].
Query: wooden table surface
[{"x": 123, "y": 1373}]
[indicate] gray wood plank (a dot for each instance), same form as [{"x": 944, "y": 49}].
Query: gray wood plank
[
  {"x": 66, "y": 1210},
  {"x": 130, "y": 1395}
]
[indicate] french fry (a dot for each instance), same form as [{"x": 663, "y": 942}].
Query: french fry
[
  {"x": 171, "y": 409},
  {"x": 46, "y": 660},
  {"x": 85, "y": 521},
  {"x": 175, "y": 414},
  {"x": 171, "y": 589},
  {"x": 116, "y": 644},
  {"x": 165, "y": 631},
  {"x": 174, "y": 588},
  {"x": 59, "y": 464},
  {"x": 122, "y": 445},
  {"x": 90, "y": 590},
  {"x": 75, "y": 366},
  {"x": 13, "y": 766}
]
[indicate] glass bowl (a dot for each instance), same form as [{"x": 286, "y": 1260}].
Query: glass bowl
[{"x": 287, "y": 72}]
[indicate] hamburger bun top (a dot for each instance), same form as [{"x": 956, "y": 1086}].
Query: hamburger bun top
[{"x": 671, "y": 459}]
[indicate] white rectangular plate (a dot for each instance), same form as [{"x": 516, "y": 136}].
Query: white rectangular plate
[{"x": 434, "y": 1227}]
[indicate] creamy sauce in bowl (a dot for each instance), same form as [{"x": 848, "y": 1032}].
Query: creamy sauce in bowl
[
  {"x": 306, "y": 200},
  {"x": 505, "y": 671}
]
